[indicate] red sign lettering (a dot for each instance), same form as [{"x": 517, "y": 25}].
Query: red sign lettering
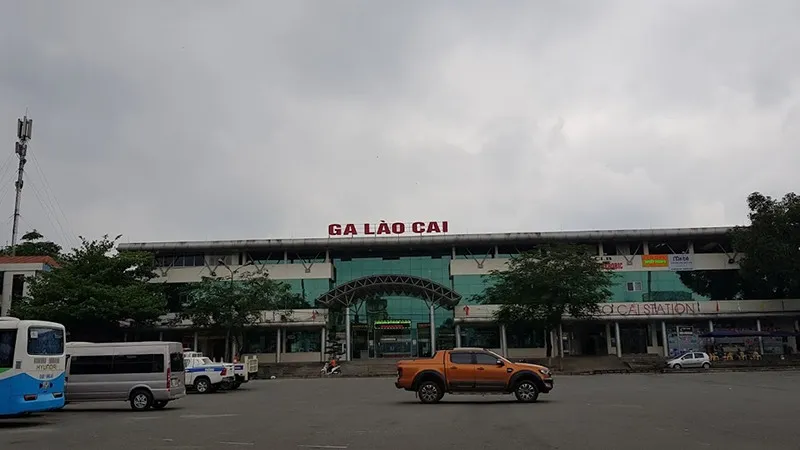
[
  {"x": 647, "y": 309},
  {"x": 613, "y": 266},
  {"x": 384, "y": 228}
]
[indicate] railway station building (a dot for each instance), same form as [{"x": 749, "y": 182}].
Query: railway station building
[{"x": 397, "y": 290}]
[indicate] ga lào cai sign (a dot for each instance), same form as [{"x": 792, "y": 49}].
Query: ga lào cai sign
[
  {"x": 649, "y": 309},
  {"x": 384, "y": 228}
]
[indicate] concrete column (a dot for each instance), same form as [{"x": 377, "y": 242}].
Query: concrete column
[
  {"x": 711, "y": 330},
  {"x": 760, "y": 339},
  {"x": 664, "y": 338},
  {"x": 458, "y": 335},
  {"x": 347, "y": 331},
  {"x": 5, "y": 301},
  {"x": 323, "y": 337},
  {"x": 608, "y": 338},
  {"x": 125, "y": 337},
  {"x": 616, "y": 335},
  {"x": 160, "y": 336},
  {"x": 433, "y": 329},
  {"x": 503, "y": 341},
  {"x": 560, "y": 340},
  {"x": 278, "y": 345},
  {"x": 195, "y": 341}
]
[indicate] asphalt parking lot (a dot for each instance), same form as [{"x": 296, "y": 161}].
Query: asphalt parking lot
[{"x": 688, "y": 411}]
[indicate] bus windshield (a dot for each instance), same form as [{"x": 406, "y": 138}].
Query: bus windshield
[
  {"x": 8, "y": 338},
  {"x": 45, "y": 341}
]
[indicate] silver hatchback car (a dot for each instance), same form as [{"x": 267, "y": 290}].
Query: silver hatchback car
[{"x": 690, "y": 360}]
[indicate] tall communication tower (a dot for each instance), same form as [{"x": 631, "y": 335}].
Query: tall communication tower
[{"x": 24, "y": 127}]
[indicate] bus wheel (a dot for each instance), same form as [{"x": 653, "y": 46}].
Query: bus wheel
[{"x": 141, "y": 400}]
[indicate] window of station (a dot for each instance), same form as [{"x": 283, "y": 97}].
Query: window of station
[
  {"x": 626, "y": 248},
  {"x": 214, "y": 260},
  {"x": 260, "y": 341},
  {"x": 479, "y": 253},
  {"x": 17, "y": 287},
  {"x": 488, "y": 337},
  {"x": 184, "y": 260},
  {"x": 306, "y": 258},
  {"x": 303, "y": 341},
  {"x": 720, "y": 244},
  {"x": 524, "y": 337},
  {"x": 507, "y": 251},
  {"x": 668, "y": 247},
  {"x": 590, "y": 248},
  {"x": 261, "y": 258}
]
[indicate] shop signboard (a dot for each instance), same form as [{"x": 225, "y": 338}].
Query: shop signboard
[
  {"x": 392, "y": 324},
  {"x": 609, "y": 263},
  {"x": 651, "y": 261},
  {"x": 680, "y": 262}
]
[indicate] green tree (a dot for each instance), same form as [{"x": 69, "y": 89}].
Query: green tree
[
  {"x": 232, "y": 305},
  {"x": 770, "y": 255},
  {"x": 540, "y": 286},
  {"x": 32, "y": 243},
  {"x": 770, "y": 245},
  {"x": 94, "y": 290}
]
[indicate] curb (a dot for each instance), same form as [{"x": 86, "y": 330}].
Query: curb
[{"x": 593, "y": 372}]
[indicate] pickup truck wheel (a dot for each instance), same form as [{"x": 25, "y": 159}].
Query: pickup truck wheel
[
  {"x": 429, "y": 392},
  {"x": 526, "y": 391},
  {"x": 202, "y": 385}
]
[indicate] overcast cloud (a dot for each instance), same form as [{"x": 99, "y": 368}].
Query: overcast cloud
[{"x": 189, "y": 120}]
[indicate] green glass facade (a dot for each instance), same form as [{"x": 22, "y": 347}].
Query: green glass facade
[
  {"x": 629, "y": 286},
  {"x": 434, "y": 269}
]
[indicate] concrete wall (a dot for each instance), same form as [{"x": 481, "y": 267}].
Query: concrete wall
[{"x": 10, "y": 270}]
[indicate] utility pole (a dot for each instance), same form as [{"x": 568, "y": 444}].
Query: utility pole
[{"x": 24, "y": 127}]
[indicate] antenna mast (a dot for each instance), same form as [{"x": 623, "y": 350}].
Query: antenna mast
[{"x": 24, "y": 127}]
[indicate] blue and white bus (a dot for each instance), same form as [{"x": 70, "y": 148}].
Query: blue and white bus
[{"x": 32, "y": 364}]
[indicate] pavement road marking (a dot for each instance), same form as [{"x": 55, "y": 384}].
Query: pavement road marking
[
  {"x": 238, "y": 443},
  {"x": 323, "y": 446},
  {"x": 207, "y": 416}
]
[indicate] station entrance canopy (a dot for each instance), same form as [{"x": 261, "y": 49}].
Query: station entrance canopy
[{"x": 387, "y": 285}]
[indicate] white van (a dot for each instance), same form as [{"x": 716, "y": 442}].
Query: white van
[{"x": 146, "y": 374}]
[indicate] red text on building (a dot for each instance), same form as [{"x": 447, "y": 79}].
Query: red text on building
[
  {"x": 648, "y": 309},
  {"x": 384, "y": 228}
]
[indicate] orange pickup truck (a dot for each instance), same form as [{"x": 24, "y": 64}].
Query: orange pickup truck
[{"x": 472, "y": 371}]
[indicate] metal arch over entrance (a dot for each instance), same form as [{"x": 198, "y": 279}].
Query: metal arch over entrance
[
  {"x": 405, "y": 285},
  {"x": 377, "y": 285}
]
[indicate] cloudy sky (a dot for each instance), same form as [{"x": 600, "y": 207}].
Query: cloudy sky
[{"x": 201, "y": 119}]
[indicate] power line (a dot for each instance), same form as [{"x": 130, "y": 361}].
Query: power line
[
  {"x": 54, "y": 201},
  {"x": 50, "y": 213}
]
